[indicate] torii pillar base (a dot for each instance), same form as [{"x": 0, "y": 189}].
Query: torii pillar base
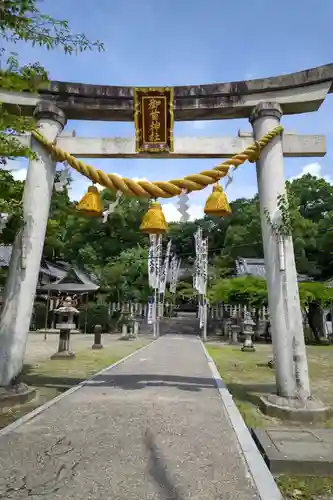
[
  {"x": 294, "y": 409},
  {"x": 16, "y": 394}
]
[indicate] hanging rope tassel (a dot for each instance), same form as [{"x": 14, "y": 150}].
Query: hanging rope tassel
[
  {"x": 217, "y": 203},
  {"x": 154, "y": 221},
  {"x": 91, "y": 203}
]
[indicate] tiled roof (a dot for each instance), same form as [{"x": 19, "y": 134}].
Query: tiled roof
[
  {"x": 62, "y": 276},
  {"x": 74, "y": 280},
  {"x": 256, "y": 267}
]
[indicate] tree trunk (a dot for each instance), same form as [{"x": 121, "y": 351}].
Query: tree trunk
[{"x": 315, "y": 320}]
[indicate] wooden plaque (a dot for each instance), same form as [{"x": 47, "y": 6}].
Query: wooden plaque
[{"x": 153, "y": 117}]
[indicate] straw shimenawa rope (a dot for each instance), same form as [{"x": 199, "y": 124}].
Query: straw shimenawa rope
[{"x": 159, "y": 189}]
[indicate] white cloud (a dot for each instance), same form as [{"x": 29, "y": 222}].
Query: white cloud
[
  {"x": 18, "y": 168},
  {"x": 313, "y": 169},
  {"x": 173, "y": 215},
  {"x": 136, "y": 179},
  {"x": 19, "y": 175}
]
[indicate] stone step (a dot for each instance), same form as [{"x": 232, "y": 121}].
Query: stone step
[{"x": 175, "y": 326}]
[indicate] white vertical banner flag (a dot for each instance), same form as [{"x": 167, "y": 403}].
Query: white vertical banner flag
[
  {"x": 197, "y": 264},
  {"x": 175, "y": 266},
  {"x": 201, "y": 315},
  {"x": 165, "y": 268},
  {"x": 152, "y": 261},
  {"x": 177, "y": 274},
  {"x": 203, "y": 267},
  {"x": 195, "y": 261},
  {"x": 158, "y": 255},
  {"x": 150, "y": 314}
]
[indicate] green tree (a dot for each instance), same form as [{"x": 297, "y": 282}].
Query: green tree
[
  {"x": 125, "y": 278},
  {"x": 324, "y": 254},
  {"x": 22, "y": 20},
  {"x": 10, "y": 203},
  {"x": 243, "y": 234},
  {"x": 310, "y": 209},
  {"x": 182, "y": 236},
  {"x": 305, "y": 233},
  {"x": 61, "y": 213},
  {"x": 186, "y": 293},
  {"x": 315, "y": 196},
  {"x": 314, "y": 297},
  {"x": 89, "y": 242},
  {"x": 222, "y": 265},
  {"x": 246, "y": 290}
]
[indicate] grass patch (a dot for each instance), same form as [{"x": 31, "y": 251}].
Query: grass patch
[
  {"x": 52, "y": 377},
  {"x": 305, "y": 488},
  {"x": 248, "y": 376}
]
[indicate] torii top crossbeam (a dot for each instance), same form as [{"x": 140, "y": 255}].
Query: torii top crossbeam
[{"x": 299, "y": 92}]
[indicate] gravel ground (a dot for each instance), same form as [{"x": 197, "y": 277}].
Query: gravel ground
[{"x": 154, "y": 427}]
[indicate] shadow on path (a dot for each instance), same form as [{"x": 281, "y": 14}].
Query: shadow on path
[
  {"x": 126, "y": 382},
  {"x": 157, "y": 469},
  {"x": 250, "y": 393}
]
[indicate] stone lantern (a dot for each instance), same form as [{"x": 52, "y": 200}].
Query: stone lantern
[
  {"x": 65, "y": 324},
  {"x": 249, "y": 325}
]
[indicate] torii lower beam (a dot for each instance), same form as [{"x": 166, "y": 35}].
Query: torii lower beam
[{"x": 294, "y": 145}]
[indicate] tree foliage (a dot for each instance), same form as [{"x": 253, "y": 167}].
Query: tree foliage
[
  {"x": 125, "y": 277},
  {"x": 22, "y": 20},
  {"x": 315, "y": 292},
  {"x": 311, "y": 215},
  {"x": 116, "y": 251},
  {"x": 247, "y": 290},
  {"x": 252, "y": 291}
]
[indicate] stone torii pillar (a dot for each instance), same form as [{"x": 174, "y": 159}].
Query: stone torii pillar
[
  {"x": 291, "y": 366},
  {"x": 27, "y": 250}
]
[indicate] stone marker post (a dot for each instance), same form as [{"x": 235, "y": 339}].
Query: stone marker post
[{"x": 97, "y": 337}]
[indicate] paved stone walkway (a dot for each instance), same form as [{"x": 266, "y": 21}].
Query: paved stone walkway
[{"x": 153, "y": 427}]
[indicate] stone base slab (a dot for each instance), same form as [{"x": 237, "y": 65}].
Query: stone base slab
[
  {"x": 16, "y": 395},
  {"x": 294, "y": 409},
  {"x": 63, "y": 355},
  {"x": 297, "y": 451},
  {"x": 97, "y": 346},
  {"x": 248, "y": 348}
]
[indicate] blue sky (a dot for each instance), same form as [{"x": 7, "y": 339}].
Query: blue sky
[{"x": 193, "y": 42}]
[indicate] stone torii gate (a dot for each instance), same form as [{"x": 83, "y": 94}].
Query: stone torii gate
[
  {"x": 263, "y": 102},
  {"x": 294, "y": 145}
]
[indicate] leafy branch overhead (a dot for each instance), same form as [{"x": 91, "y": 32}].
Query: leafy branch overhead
[{"x": 22, "y": 20}]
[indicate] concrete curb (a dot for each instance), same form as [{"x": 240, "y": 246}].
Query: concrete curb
[
  {"x": 29, "y": 416},
  {"x": 263, "y": 479}
]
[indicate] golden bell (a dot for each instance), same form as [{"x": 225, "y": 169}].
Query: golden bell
[
  {"x": 154, "y": 221},
  {"x": 91, "y": 203},
  {"x": 217, "y": 203}
]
